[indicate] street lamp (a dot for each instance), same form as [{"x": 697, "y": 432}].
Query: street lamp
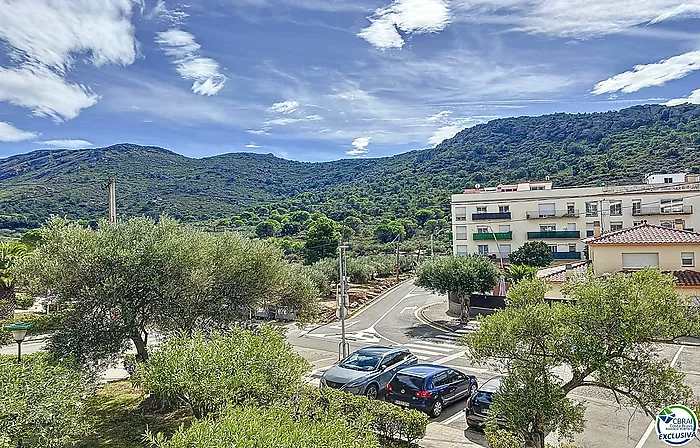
[{"x": 19, "y": 331}]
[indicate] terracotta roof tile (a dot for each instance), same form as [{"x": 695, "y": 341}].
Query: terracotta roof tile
[
  {"x": 687, "y": 278},
  {"x": 646, "y": 234},
  {"x": 557, "y": 274}
]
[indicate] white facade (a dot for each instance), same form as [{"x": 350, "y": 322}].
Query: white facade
[
  {"x": 674, "y": 178},
  {"x": 499, "y": 221}
]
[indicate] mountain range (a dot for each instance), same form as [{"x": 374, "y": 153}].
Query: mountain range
[{"x": 572, "y": 149}]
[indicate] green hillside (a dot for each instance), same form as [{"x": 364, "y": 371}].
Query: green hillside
[{"x": 573, "y": 149}]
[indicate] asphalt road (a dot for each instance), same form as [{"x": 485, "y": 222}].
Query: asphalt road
[{"x": 393, "y": 320}]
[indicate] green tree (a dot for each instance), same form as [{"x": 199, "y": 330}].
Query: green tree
[
  {"x": 346, "y": 232},
  {"x": 532, "y": 253},
  {"x": 517, "y": 272},
  {"x": 388, "y": 231},
  {"x": 291, "y": 228},
  {"x": 268, "y": 228},
  {"x": 353, "y": 222},
  {"x": 210, "y": 374},
  {"x": 42, "y": 402},
  {"x": 423, "y": 215},
  {"x": 433, "y": 225},
  {"x": 605, "y": 337},
  {"x": 10, "y": 254},
  {"x": 300, "y": 216},
  {"x": 461, "y": 275},
  {"x": 322, "y": 240}
]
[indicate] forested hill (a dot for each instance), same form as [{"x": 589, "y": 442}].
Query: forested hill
[{"x": 573, "y": 149}]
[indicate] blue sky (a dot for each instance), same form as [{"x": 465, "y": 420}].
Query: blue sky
[{"x": 321, "y": 80}]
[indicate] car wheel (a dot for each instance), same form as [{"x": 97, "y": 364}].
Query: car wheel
[
  {"x": 472, "y": 389},
  {"x": 437, "y": 408},
  {"x": 372, "y": 392}
]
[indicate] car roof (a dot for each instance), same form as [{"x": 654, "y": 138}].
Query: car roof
[
  {"x": 492, "y": 385},
  {"x": 380, "y": 350},
  {"x": 423, "y": 370}
]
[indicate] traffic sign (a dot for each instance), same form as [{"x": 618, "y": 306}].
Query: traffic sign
[{"x": 341, "y": 313}]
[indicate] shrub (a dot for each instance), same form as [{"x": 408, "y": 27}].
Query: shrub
[
  {"x": 249, "y": 427},
  {"x": 209, "y": 374},
  {"x": 41, "y": 323},
  {"x": 24, "y": 301},
  {"x": 42, "y": 401},
  {"x": 501, "y": 438}
]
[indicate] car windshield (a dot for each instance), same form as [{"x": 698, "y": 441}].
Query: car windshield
[{"x": 361, "y": 361}]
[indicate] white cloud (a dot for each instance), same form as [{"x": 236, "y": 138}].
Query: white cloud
[
  {"x": 252, "y": 146},
  {"x": 409, "y": 16},
  {"x": 439, "y": 116},
  {"x": 281, "y": 121},
  {"x": 51, "y": 32},
  {"x": 258, "y": 131},
  {"x": 314, "y": 117},
  {"x": 650, "y": 75},
  {"x": 9, "y": 133},
  {"x": 204, "y": 72},
  {"x": 572, "y": 18},
  {"x": 693, "y": 98},
  {"x": 284, "y": 107},
  {"x": 163, "y": 13},
  {"x": 67, "y": 143},
  {"x": 444, "y": 133},
  {"x": 360, "y": 144},
  {"x": 47, "y": 94}
]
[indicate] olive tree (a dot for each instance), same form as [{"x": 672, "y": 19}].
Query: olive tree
[
  {"x": 532, "y": 253},
  {"x": 461, "y": 275},
  {"x": 10, "y": 253},
  {"x": 604, "y": 338}
]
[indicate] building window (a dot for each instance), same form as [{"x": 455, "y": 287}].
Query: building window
[
  {"x": 687, "y": 259},
  {"x": 537, "y": 187},
  {"x": 482, "y": 229},
  {"x": 572, "y": 247},
  {"x": 460, "y": 213},
  {"x": 546, "y": 210},
  {"x": 615, "y": 226},
  {"x": 591, "y": 209},
  {"x": 668, "y": 180},
  {"x": 590, "y": 228},
  {"x": 484, "y": 250},
  {"x": 504, "y": 209},
  {"x": 571, "y": 226},
  {"x": 481, "y": 209},
  {"x": 667, "y": 224},
  {"x": 504, "y": 228},
  {"x": 616, "y": 209},
  {"x": 553, "y": 248},
  {"x": 636, "y": 207},
  {"x": 570, "y": 208},
  {"x": 548, "y": 227},
  {"x": 636, "y": 223},
  {"x": 462, "y": 250},
  {"x": 639, "y": 260},
  {"x": 461, "y": 233},
  {"x": 671, "y": 205},
  {"x": 505, "y": 250}
]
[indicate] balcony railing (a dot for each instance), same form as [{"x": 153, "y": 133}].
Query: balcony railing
[
  {"x": 500, "y": 236},
  {"x": 658, "y": 210},
  {"x": 555, "y": 234},
  {"x": 486, "y": 216},
  {"x": 566, "y": 255},
  {"x": 568, "y": 213}
]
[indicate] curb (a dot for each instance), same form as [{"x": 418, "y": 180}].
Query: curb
[{"x": 420, "y": 315}]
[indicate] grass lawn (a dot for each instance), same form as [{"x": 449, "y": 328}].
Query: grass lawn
[{"x": 119, "y": 422}]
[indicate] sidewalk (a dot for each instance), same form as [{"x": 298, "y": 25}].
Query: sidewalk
[
  {"x": 442, "y": 436},
  {"x": 437, "y": 315}
]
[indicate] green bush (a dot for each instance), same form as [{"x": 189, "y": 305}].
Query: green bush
[
  {"x": 501, "y": 438},
  {"x": 209, "y": 374},
  {"x": 41, "y": 323},
  {"x": 249, "y": 427},
  {"x": 42, "y": 402},
  {"x": 24, "y": 301}
]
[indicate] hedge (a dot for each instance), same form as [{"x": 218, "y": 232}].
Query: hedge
[{"x": 41, "y": 324}]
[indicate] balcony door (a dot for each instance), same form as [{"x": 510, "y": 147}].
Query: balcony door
[{"x": 546, "y": 210}]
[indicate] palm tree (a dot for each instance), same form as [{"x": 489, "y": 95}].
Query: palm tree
[
  {"x": 518, "y": 272},
  {"x": 10, "y": 252}
]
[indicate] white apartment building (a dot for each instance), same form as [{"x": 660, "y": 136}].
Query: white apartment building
[{"x": 496, "y": 221}]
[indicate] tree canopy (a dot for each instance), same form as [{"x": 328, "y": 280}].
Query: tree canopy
[
  {"x": 533, "y": 253},
  {"x": 604, "y": 338}
]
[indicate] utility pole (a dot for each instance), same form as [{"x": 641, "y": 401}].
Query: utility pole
[
  {"x": 432, "y": 246},
  {"x": 398, "y": 264},
  {"x": 343, "y": 301},
  {"x": 112, "y": 195}
]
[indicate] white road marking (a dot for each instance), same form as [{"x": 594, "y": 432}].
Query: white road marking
[
  {"x": 449, "y": 358},
  {"x": 434, "y": 344},
  {"x": 425, "y": 352},
  {"x": 347, "y": 325},
  {"x": 464, "y": 331},
  {"x": 407, "y": 308},
  {"x": 650, "y": 428},
  {"x": 392, "y": 308},
  {"x": 433, "y": 347},
  {"x": 454, "y": 418},
  {"x": 446, "y": 337},
  {"x": 423, "y": 357}
]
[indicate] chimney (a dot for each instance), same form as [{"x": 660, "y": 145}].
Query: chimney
[
  {"x": 679, "y": 224},
  {"x": 596, "y": 229},
  {"x": 569, "y": 271}
]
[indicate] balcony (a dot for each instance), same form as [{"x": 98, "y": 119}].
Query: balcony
[
  {"x": 555, "y": 234},
  {"x": 566, "y": 255},
  {"x": 500, "y": 236},
  {"x": 569, "y": 213},
  {"x": 658, "y": 210},
  {"x": 487, "y": 216}
]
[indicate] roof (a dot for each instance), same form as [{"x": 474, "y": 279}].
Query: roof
[
  {"x": 379, "y": 350},
  {"x": 493, "y": 385},
  {"x": 687, "y": 278},
  {"x": 423, "y": 370},
  {"x": 646, "y": 234},
  {"x": 557, "y": 274}
]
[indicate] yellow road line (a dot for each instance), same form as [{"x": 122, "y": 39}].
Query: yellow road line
[{"x": 419, "y": 315}]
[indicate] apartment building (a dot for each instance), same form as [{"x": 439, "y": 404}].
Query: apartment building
[{"x": 496, "y": 221}]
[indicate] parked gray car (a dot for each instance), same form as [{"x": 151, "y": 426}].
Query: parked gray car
[{"x": 368, "y": 370}]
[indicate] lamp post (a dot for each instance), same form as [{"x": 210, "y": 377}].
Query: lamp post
[{"x": 19, "y": 331}]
